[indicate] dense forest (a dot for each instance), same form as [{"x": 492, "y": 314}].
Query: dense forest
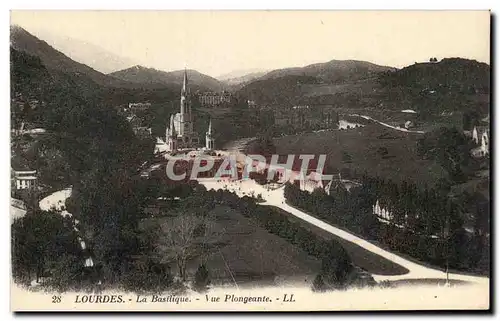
[{"x": 426, "y": 224}]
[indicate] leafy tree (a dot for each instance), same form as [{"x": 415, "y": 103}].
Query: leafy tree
[
  {"x": 470, "y": 118},
  {"x": 179, "y": 240},
  {"x": 319, "y": 284},
  {"x": 263, "y": 145},
  {"x": 201, "y": 278},
  {"x": 147, "y": 275},
  {"x": 42, "y": 243},
  {"x": 449, "y": 148},
  {"x": 336, "y": 265}
]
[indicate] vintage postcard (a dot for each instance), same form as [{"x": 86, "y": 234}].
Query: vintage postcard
[{"x": 250, "y": 160}]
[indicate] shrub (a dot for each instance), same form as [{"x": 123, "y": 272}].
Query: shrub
[
  {"x": 201, "y": 279},
  {"x": 319, "y": 284}
]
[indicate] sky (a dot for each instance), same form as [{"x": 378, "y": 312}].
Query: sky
[{"x": 220, "y": 42}]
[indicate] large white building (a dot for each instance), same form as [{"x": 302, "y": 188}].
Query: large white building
[
  {"x": 180, "y": 133},
  {"x": 483, "y": 141}
]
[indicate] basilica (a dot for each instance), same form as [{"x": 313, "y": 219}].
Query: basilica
[{"x": 180, "y": 133}]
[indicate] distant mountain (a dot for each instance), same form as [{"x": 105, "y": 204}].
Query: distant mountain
[
  {"x": 51, "y": 58},
  {"x": 333, "y": 71},
  {"x": 87, "y": 53},
  {"x": 240, "y": 77},
  {"x": 144, "y": 75},
  {"x": 296, "y": 84},
  {"x": 451, "y": 85},
  {"x": 240, "y": 73}
]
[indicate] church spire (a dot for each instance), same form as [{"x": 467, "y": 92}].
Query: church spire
[
  {"x": 184, "y": 83},
  {"x": 172, "y": 127},
  {"x": 185, "y": 108},
  {"x": 209, "y": 140}
]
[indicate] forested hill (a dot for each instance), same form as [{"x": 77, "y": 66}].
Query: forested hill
[
  {"x": 431, "y": 88},
  {"x": 334, "y": 71},
  {"x": 285, "y": 90},
  {"x": 451, "y": 73},
  {"x": 99, "y": 157},
  {"x": 302, "y": 84},
  {"x": 173, "y": 79},
  {"x": 22, "y": 40},
  {"x": 452, "y": 84},
  {"x": 72, "y": 108}
]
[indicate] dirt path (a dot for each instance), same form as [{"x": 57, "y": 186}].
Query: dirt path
[{"x": 390, "y": 126}]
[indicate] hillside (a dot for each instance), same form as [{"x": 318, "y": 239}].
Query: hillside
[
  {"x": 285, "y": 90},
  {"x": 453, "y": 73},
  {"x": 305, "y": 84},
  {"x": 22, "y": 40},
  {"x": 87, "y": 53},
  {"x": 334, "y": 71},
  {"x": 33, "y": 80},
  {"x": 241, "y": 73},
  {"x": 237, "y": 79},
  {"x": 143, "y": 75},
  {"x": 452, "y": 84}
]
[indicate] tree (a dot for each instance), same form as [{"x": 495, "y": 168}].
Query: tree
[
  {"x": 148, "y": 275},
  {"x": 336, "y": 265},
  {"x": 470, "y": 118},
  {"x": 201, "y": 278},
  {"x": 318, "y": 284},
  {"x": 42, "y": 244},
  {"x": 263, "y": 145},
  {"x": 449, "y": 148},
  {"x": 184, "y": 238},
  {"x": 52, "y": 167}
]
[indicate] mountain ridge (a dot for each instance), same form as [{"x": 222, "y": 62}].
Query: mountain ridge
[
  {"x": 332, "y": 70},
  {"x": 86, "y": 52},
  {"x": 22, "y": 40},
  {"x": 452, "y": 84},
  {"x": 147, "y": 75}
]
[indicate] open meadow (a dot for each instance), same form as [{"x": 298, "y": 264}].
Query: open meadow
[
  {"x": 372, "y": 149},
  {"x": 245, "y": 253}
]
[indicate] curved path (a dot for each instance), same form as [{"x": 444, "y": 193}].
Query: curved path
[
  {"x": 390, "y": 126},
  {"x": 276, "y": 198},
  {"x": 57, "y": 201}
]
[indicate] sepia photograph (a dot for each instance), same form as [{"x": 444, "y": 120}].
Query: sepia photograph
[{"x": 274, "y": 160}]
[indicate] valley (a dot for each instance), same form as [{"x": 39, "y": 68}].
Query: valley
[{"x": 402, "y": 138}]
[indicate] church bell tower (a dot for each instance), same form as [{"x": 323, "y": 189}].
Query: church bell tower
[{"x": 209, "y": 140}]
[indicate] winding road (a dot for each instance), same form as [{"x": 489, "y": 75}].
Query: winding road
[
  {"x": 276, "y": 198},
  {"x": 389, "y": 126}
]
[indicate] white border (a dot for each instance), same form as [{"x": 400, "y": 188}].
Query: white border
[{"x": 185, "y": 4}]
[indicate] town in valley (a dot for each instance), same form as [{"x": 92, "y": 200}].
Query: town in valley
[{"x": 336, "y": 175}]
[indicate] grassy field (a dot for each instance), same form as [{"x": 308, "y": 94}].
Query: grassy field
[
  {"x": 251, "y": 254},
  {"x": 373, "y": 149}
]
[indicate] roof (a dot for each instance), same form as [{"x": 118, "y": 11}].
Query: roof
[
  {"x": 28, "y": 178},
  {"x": 297, "y": 162},
  {"x": 24, "y": 172}
]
